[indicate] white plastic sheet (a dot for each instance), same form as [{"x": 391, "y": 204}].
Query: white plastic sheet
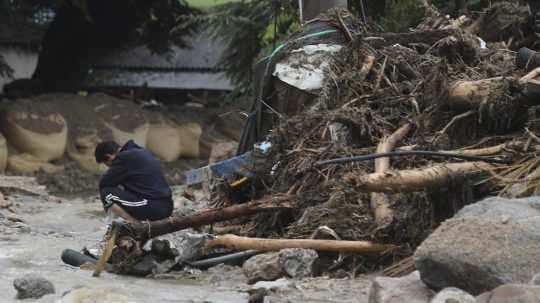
[{"x": 304, "y": 67}]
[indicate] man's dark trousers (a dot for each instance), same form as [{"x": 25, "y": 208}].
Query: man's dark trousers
[{"x": 139, "y": 208}]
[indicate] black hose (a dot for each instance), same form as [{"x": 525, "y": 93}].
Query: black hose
[
  {"x": 410, "y": 153},
  {"x": 218, "y": 260}
]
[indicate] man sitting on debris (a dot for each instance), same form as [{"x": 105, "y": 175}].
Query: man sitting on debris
[{"x": 133, "y": 187}]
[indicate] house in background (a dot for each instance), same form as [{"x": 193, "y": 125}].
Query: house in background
[
  {"x": 19, "y": 46},
  {"x": 181, "y": 75}
]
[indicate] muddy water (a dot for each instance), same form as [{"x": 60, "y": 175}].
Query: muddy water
[{"x": 51, "y": 225}]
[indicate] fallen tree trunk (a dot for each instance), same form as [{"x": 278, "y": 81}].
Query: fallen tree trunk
[
  {"x": 415, "y": 180},
  {"x": 243, "y": 243},
  {"x": 465, "y": 95},
  {"x": 380, "y": 203},
  {"x": 153, "y": 229}
]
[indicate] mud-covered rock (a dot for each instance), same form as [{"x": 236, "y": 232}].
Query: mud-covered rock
[
  {"x": 298, "y": 262},
  {"x": 511, "y": 293},
  {"x": 32, "y": 287},
  {"x": 452, "y": 295},
  {"x": 487, "y": 244},
  {"x": 264, "y": 267},
  {"x": 408, "y": 289}
]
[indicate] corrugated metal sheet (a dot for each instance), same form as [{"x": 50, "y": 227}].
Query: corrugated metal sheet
[
  {"x": 204, "y": 53},
  {"x": 159, "y": 79},
  {"x": 191, "y": 68}
]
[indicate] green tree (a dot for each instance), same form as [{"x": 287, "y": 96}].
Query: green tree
[
  {"x": 250, "y": 28},
  {"x": 84, "y": 29}
]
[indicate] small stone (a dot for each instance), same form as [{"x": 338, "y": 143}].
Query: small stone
[
  {"x": 32, "y": 287},
  {"x": 257, "y": 295},
  {"x": 535, "y": 280},
  {"x": 263, "y": 267},
  {"x": 408, "y": 289},
  {"x": 505, "y": 219},
  {"x": 298, "y": 262},
  {"x": 4, "y": 203},
  {"x": 453, "y": 295},
  {"x": 94, "y": 295},
  {"x": 12, "y": 218},
  {"x": 272, "y": 299}
]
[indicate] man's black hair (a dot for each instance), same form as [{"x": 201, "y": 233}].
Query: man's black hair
[{"x": 105, "y": 148}]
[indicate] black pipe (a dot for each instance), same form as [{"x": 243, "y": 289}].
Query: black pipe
[
  {"x": 75, "y": 258},
  {"x": 218, "y": 260},
  {"x": 410, "y": 153}
]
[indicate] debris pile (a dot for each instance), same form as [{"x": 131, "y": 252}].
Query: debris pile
[
  {"x": 443, "y": 92},
  {"x": 399, "y": 132}
]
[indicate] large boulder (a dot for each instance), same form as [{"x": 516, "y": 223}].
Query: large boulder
[
  {"x": 487, "y": 244},
  {"x": 32, "y": 287},
  {"x": 511, "y": 293},
  {"x": 120, "y": 136},
  {"x": 190, "y": 134},
  {"x": 169, "y": 141},
  {"x": 42, "y": 135},
  {"x": 164, "y": 141},
  {"x": 264, "y": 267},
  {"x": 408, "y": 289}
]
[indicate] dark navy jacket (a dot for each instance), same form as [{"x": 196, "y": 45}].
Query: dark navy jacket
[{"x": 136, "y": 169}]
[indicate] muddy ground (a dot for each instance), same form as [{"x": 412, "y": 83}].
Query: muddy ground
[{"x": 36, "y": 229}]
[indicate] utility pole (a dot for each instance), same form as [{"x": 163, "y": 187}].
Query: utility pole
[{"x": 310, "y": 9}]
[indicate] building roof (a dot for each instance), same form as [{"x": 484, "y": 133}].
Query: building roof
[
  {"x": 191, "y": 68},
  {"x": 159, "y": 79}
]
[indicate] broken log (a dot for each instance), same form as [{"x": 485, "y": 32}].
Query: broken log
[
  {"x": 366, "y": 67},
  {"x": 466, "y": 95},
  {"x": 148, "y": 230},
  {"x": 243, "y": 243},
  {"x": 380, "y": 203},
  {"x": 416, "y": 179}
]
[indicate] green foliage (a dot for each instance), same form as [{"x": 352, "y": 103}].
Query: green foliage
[
  {"x": 165, "y": 22},
  {"x": 247, "y": 28},
  {"x": 157, "y": 23},
  {"x": 208, "y": 3},
  {"x": 401, "y": 15}
]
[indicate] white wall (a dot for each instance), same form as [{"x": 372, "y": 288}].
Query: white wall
[{"x": 23, "y": 63}]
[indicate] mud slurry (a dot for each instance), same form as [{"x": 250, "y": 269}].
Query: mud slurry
[
  {"x": 36, "y": 229},
  {"x": 48, "y": 227}
]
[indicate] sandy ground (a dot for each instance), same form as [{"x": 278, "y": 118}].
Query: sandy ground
[{"x": 36, "y": 229}]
